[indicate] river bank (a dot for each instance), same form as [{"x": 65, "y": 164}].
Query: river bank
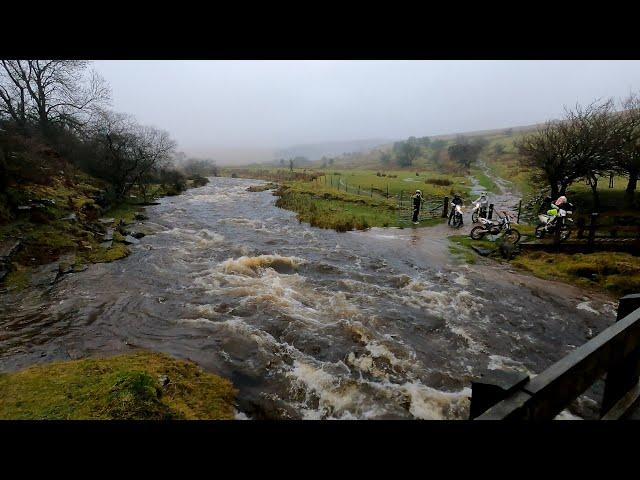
[{"x": 306, "y": 322}]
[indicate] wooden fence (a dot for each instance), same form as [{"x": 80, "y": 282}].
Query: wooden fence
[{"x": 614, "y": 353}]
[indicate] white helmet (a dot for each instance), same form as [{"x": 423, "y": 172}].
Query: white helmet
[
  {"x": 419, "y": 192},
  {"x": 562, "y": 199}
]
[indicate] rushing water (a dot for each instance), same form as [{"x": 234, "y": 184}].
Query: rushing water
[{"x": 307, "y": 323}]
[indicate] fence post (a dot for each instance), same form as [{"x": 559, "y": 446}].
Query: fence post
[
  {"x": 592, "y": 229},
  {"x": 581, "y": 225},
  {"x": 493, "y": 387},
  {"x": 358, "y": 189},
  {"x": 490, "y": 211},
  {"x": 519, "y": 210},
  {"x": 445, "y": 207},
  {"x": 624, "y": 376}
]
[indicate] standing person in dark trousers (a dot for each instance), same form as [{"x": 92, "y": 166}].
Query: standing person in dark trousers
[{"x": 417, "y": 201}]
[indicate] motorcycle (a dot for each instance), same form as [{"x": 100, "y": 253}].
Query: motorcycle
[
  {"x": 494, "y": 227},
  {"x": 478, "y": 211},
  {"x": 456, "y": 220},
  {"x": 555, "y": 221}
]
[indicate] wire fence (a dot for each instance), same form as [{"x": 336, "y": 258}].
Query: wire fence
[{"x": 431, "y": 207}]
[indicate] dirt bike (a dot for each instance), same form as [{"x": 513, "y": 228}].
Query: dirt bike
[
  {"x": 494, "y": 227},
  {"x": 555, "y": 219},
  {"x": 478, "y": 211},
  {"x": 456, "y": 220}
]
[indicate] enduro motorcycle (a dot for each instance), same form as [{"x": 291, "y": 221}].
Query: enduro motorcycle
[
  {"x": 555, "y": 219},
  {"x": 478, "y": 211},
  {"x": 494, "y": 227},
  {"x": 456, "y": 220}
]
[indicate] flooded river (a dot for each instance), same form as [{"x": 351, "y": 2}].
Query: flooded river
[{"x": 307, "y": 323}]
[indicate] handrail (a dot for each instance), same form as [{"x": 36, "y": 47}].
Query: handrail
[{"x": 615, "y": 351}]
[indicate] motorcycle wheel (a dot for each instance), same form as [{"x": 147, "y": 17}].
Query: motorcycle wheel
[
  {"x": 475, "y": 217},
  {"x": 478, "y": 232},
  {"x": 512, "y": 235},
  {"x": 540, "y": 231},
  {"x": 457, "y": 221}
]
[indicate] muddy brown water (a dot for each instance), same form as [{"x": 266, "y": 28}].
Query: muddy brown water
[{"x": 307, "y": 323}]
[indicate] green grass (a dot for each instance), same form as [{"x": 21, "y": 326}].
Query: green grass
[
  {"x": 485, "y": 181},
  {"x": 120, "y": 387},
  {"x": 398, "y": 181},
  {"x": 335, "y": 210},
  {"x": 462, "y": 247},
  {"x": 613, "y": 272}
]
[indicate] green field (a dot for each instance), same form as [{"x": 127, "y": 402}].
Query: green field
[{"x": 356, "y": 199}]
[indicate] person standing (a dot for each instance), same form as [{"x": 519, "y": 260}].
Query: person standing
[{"x": 417, "y": 201}]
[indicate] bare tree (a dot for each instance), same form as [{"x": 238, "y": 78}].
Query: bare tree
[
  {"x": 547, "y": 155},
  {"x": 628, "y": 158},
  {"x": 47, "y": 92},
  {"x": 129, "y": 153},
  {"x": 582, "y": 145},
  {"x": 591, "y": 134}
]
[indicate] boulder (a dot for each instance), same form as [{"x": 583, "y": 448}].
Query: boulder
[
  {"x": 65, "y": 264},
  {"x": 140, "y": 216},
  {"x": 8, "y": 248},
  {"x": 131, "y": 240},
  {"x": 45, "y": 275},
  {"x": 106, "y": 221},
  {"x": 137, "y": 235},
  {"x": 107, "y": 244},
  {"x": 108, "y": 235}
]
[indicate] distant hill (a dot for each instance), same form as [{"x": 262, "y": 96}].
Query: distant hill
[
  {"x": 489, "y": 133},
  {"x": 315, "y": 151}
]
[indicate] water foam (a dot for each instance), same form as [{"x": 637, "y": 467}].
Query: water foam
[{"x": 252, "y": 266}]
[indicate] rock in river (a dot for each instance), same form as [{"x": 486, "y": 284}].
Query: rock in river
[{"x": 131, "y": 240}]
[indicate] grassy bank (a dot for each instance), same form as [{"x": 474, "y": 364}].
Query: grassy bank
[
  {"x": 354, "y": 199},
  {"x": 57, "y": 216},
  {"x": 141, "y": 386},
  {"x": 325, "y": 208},
  {"x": 612, "y": 272},
  {"x": 460, "y": 247}
]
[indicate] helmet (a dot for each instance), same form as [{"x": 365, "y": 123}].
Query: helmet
[
  {"x": 561, "y": 200},
  {"x": 418, "y": 192}
]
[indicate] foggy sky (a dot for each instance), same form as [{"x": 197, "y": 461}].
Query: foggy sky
[{"x": 215, "y": 106}]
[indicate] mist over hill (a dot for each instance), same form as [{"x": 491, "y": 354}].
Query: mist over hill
[{"x": 315, "y": 151}]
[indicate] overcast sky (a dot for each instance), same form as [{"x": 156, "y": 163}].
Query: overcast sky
[{"x": 271, "y": 104}]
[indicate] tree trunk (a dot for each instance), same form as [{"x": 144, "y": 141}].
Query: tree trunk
[
  {"x": 594, "y": 191},
  {"x": 633, "y": 182}
]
